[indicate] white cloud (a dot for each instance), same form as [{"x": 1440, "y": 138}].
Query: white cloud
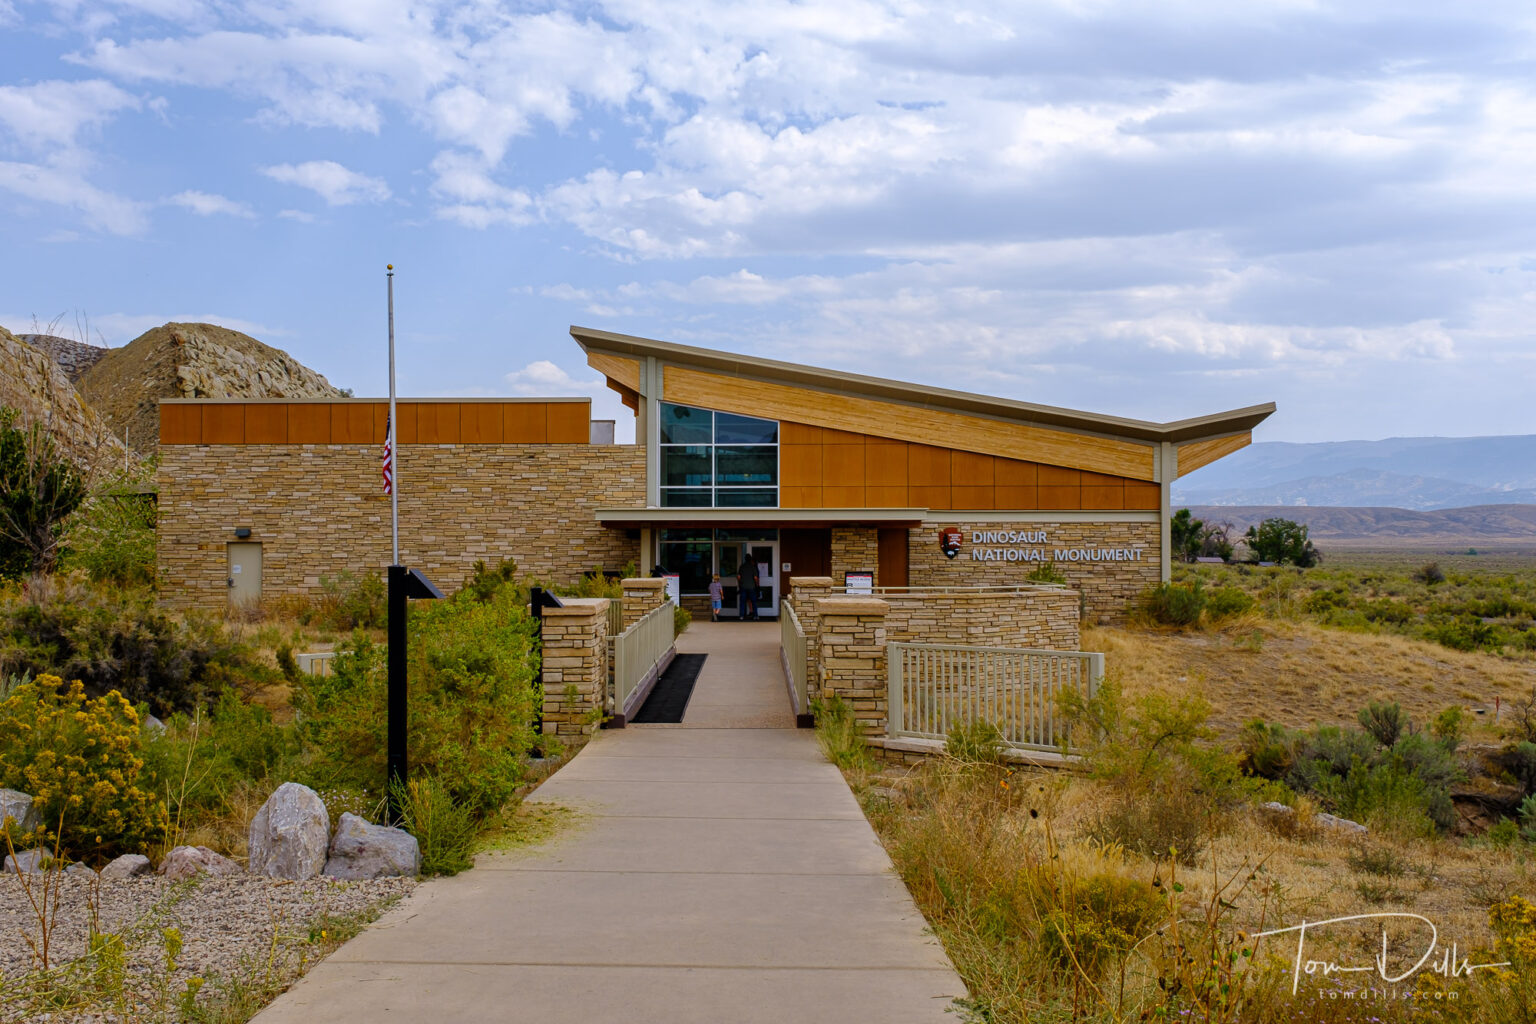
[
  {"x": 47, "y": 117},
  {"x": 298, "y": 215},
  {"x": 61, "y": 184},
  {"x": 544, "y": 379},
  {"x": 334, "y": 183},
  {"x": 205, "y": 204}
]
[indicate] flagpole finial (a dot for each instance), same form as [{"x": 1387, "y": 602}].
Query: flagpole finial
[{"x": 390, "y": 267}]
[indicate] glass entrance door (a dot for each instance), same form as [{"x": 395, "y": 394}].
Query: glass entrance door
[{"x": 766, "y": 554}]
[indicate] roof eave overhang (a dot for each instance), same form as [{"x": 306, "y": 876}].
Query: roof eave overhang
[
  {"x": 630, "y": 518},
  {"x": 922, "y": 396}
]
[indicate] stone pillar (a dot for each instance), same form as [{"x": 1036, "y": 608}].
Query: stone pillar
[
  {"x": 852, "y": 657},
  {"x": 804, "y": 592},
  {"x": 575, "y": 667},
  {"x": 641, "y": 597},
  {"x": 855, "y": 549}
]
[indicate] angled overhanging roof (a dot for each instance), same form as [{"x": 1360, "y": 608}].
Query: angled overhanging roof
[
  {"x": 1196, "y": 428},
  {"x": 780, "y": 517}
]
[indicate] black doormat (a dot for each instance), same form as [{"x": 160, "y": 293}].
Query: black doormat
[{"x": 669, "y": 697}]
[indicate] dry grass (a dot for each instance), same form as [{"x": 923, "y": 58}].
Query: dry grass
[{"x": 1300, "y": 674}]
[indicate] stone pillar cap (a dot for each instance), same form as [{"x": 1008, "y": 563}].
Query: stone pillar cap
[
  {"x": 583, "y": 606},
  {"x": 644, "y": 582},
  {"x": 847, "y": 605},
  {"x": 807, "y": 581}
]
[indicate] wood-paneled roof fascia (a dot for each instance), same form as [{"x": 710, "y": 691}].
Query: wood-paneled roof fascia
[{"x": 839, "y": 382}]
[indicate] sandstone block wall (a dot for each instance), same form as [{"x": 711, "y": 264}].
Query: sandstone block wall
[
  {"x": 319, "y": 509},
  {"x": 852, "y": 657},
  {"x": 642, "y": 596},
  {"x": 855, "y": 549},
  {"x": 575, "y": 667},
  {"x": 1109, "y": 587},
  {"x": 1045, "y": 619}
]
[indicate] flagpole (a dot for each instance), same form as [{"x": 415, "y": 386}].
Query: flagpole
[{"x": 394, "y": 447}]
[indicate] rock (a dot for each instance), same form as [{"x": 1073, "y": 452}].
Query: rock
[
  {"x": 28, "y": 862},
  {"x": 152, "y": 725},
  {"x": 290, "y": 834},
  {"x": 361, "y": 850},
  {"x": 18, "y": 806},
  {"x": 1342, "y": 824},
  {"x": 190, "y": 861},
  {"x": 1276, "y": 807},
  {"x": 129, "y": 865},
  {"x": 79, "y": 869}
]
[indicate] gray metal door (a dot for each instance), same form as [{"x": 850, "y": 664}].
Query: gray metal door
[{"x": 244, "y": 574}]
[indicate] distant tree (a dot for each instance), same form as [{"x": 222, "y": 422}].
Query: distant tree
[
  {"x": 1283, "y": 542},
  {"x": 39, "y": 488},
  {"x": 1187, "y": 534},
  {"x": 1216, "y": 542}
]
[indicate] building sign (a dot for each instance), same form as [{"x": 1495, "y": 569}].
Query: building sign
[
  {"x": 1035, "y": 546},
  {"x": 950, "y": 539},
  {"x": 859, "y": 582}
]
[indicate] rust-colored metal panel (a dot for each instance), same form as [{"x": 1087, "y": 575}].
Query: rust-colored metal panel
[
  {"x": 831, "y": 436},
  {"x": 1057, "y": 496},
  {"x": 266, "y": 423},
  {"x": 842, "y": 465},
  {"x": 928, "y": 466},
  {"x": 843, "y": 496},
  {"x": 1020, "y": 498},
  {"x": 968, "y": 496},
  {"x": 437, "y": 423},
  {"x": 1059, "y": 476},
  {"x": 930, "y": 496},
  {"x": 525, "y": 423},
  {"x": 799, "y": 433},
  {"x": 1143, "y": 496},
  {"x": 380, "y": 423},
  {"x": 224, "y": 423},
  {"x": 800, "y": 497},
  {"x": 885, "y": 465},
  {"x": 1015, "y": 473},
  {"x": 181, "y": 424},
  {"x": 309, "y": 422},
  {"x": 1101, "y": 479},
  {"x": 480, "y": 423},
  {"x": 892, "y": 570},
  {"x": 800, "y": 465},
  {"x": 1103, "y": 496},
  {"x": 886, "y": 497},
  {"x": 570, "y": 423},
  {"x": 972, "y": 470},
  {"x": 405, "y": 430}
]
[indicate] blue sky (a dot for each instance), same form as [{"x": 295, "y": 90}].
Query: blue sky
[{"x": 1148, "y": 210}]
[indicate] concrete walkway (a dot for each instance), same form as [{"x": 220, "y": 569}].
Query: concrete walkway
[{"x": 716, "y": 876}]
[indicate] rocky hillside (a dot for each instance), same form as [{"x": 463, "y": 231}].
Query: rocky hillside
[
  {"x": 190, "y": 361},
  {"x": 1388, "y": 526},
  {"x": 33, "y": 384},
  {"x": 73, "y": 357}
]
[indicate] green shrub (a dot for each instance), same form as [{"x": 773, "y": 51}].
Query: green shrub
[
  {"x": 445, "y": 829},
  {"x": 39, "y": 488},
  {"x": 681, "y": 619},
  {"x": 80, "y": 759},
  {"x": 838, "y": 732},
  {"x": 1173, "y": 604},
  {"x": 1429, "y": 574},
  {"x": 1383, "y": 721},
  {"x": 1527, "y": 816},
  {"x": 975, "y": 740},
  {"x": 1226, "y": 602},
  {"x": 1102, "y": 918},
  {"x": 349, "y": 602},
  {"x": 471, "y": 701},
  {"x": 1045, "y": 572},
  {"x": 112, "y": 535}
]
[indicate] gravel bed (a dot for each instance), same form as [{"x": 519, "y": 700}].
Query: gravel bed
[{"x": 226, "y": 926}]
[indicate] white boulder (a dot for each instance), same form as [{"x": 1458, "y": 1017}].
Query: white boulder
[
  {"x": 17, "y": 806},
  {"x": 190, "y": 861},
  {"x": 1342, "y": 824},
  {"x": 290, "y": 834},
  {"x": 129, "y": 865},
  {"x": 28, "y": 862},
  {"x": 363, "y": 850}
]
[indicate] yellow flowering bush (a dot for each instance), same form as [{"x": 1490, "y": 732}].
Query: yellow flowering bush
[{"x": 80, "y": 759}]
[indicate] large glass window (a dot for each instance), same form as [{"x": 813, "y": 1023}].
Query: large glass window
[{"x": 717, "y": 459}]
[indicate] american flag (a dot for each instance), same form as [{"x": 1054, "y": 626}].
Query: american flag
[{"x": 389, "y": 457}]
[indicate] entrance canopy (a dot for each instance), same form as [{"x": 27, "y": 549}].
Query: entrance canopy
[{"x": 784, "y": 518}]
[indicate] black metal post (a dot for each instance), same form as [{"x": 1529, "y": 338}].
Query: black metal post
[{"x": 397, "y": 681}]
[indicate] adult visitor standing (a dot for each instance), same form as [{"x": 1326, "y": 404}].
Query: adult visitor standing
[{"x": 746, "y": 589}]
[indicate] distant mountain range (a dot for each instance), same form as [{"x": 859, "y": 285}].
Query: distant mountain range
[
  {"x": 1419, "y": 473},
  {"x": 1389, "y": 526}
]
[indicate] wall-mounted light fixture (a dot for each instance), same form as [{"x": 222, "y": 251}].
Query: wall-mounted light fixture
[{"x": 242, "y": 532}]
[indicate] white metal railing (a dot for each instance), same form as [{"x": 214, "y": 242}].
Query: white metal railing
[
  {"x": 792, "y": 645},
  {"x": 615, "y": 617},
  {"x": 638, "y": 656},
  {"x": 934, "y": 688},
  {"x": 995, "y": 588}
]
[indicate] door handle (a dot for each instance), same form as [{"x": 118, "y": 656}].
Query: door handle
[{"x": 230, "y": 581}]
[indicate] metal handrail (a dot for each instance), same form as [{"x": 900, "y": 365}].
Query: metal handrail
[
  {"x": 1001, "y": 588},
  {"x": 638, "y": 655},
  {"x": 793, "y": 644},
  {"x": 935, "y": 687}
]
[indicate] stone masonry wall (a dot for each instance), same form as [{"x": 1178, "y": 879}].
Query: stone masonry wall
[
  {"x": 575, "y": 667},
  {"x": 319, "y": 509},
  {"x": 1108, "y": 586},
  {"x": 642, "y": 595},
  {"x": 852, "y": 657},
  {"x": 1043, "y": 619},
  {"x": 805, "y": 592},
  {"x": 855, "y": 549}
]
